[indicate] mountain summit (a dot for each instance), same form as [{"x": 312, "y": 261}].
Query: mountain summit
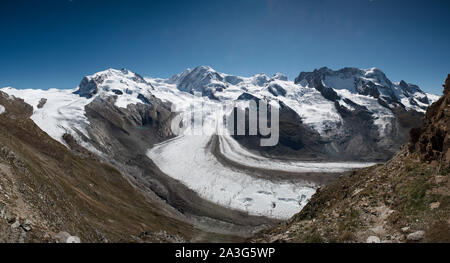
[{"x": 371, "y": 82}]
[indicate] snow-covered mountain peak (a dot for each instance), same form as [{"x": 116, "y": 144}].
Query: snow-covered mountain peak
[
  {"x": 200, "y": 79},
  {"x": 129, "y": 87},
  {"x": 208, "y": 81},
  {"x": 371, "y": 82}
]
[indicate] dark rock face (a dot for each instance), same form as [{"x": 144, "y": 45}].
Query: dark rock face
[
  {"x": 360, "y": 138},
  {"x": 296, "y": 140},
  {"x": 431, "y": 141},
  {"x": 261, "y": 80},
  {"x": 42, "y": 103},
  {"x": 314, "y": 79},
  {"x": 89, "y": 86},
  {"x": 117, "y": 92},
  {"x": 144, "y": 99},
  {"x": 247, "y": 96},
  {"x": 297, "y": 136},
  {"x": 138, "y": 126},
  {"x": 408, "y": 88},
  {"x": 372, "y": 83},
  {"x": 276, "y": 90},
  {"x": 234, "y": 80},
  {"x": 368, "y": 89}
]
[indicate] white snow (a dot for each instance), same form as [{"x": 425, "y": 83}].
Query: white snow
[
  {"x": 432, "y": 97},
  {"x": 2, "y": 109}
]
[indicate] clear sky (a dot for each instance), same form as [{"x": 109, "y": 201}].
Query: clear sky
[{"x": 53, "y": 44}]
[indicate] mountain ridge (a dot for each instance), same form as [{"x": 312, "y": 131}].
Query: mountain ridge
[{"x": 405, "y": 200}]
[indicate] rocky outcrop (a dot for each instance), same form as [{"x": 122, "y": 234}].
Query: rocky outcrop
[
  {"x": 296, "y": 140},
  {"x": 432, "y": 140},
  {"x": 89, "y": 86},
  {"x": 41, "y": 103},
  {"x": 360, "y": 133}
]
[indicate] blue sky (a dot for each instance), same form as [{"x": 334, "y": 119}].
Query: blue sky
[{"x": 53, "y": 44}]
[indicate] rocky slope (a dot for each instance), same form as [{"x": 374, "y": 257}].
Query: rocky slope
[
  {"x": 405, "y": 200},
  {"x": 49, "y": 194}
]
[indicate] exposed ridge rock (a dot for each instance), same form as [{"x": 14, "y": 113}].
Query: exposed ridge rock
[
  {"x": 431, "y": 141},
  {"x": 403, "y": 200}
]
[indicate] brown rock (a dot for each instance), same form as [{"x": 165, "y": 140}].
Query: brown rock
[
  {"x": 431, "y": 141},
  {"x": 435, "y": 205}
]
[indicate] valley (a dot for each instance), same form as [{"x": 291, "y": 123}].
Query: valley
[{"x": 228, "y": 187}]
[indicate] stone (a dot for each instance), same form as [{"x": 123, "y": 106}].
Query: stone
[
  {"x": 416, "y": 236},
  {"x": 26, "y": 226},
  {"x": 10, "y": 217},
  {"x": 73, "y": 239},
  {"x": 62, "y": 236},
  {"x": 405, "y": 229},
  {"x": 378, "y": 230},
  {"x": 373, "y": 239},
  {"x": 15, "y": 225},
  {"x": 41, "y": 103},
  {"x": 435, "y": 205}
]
